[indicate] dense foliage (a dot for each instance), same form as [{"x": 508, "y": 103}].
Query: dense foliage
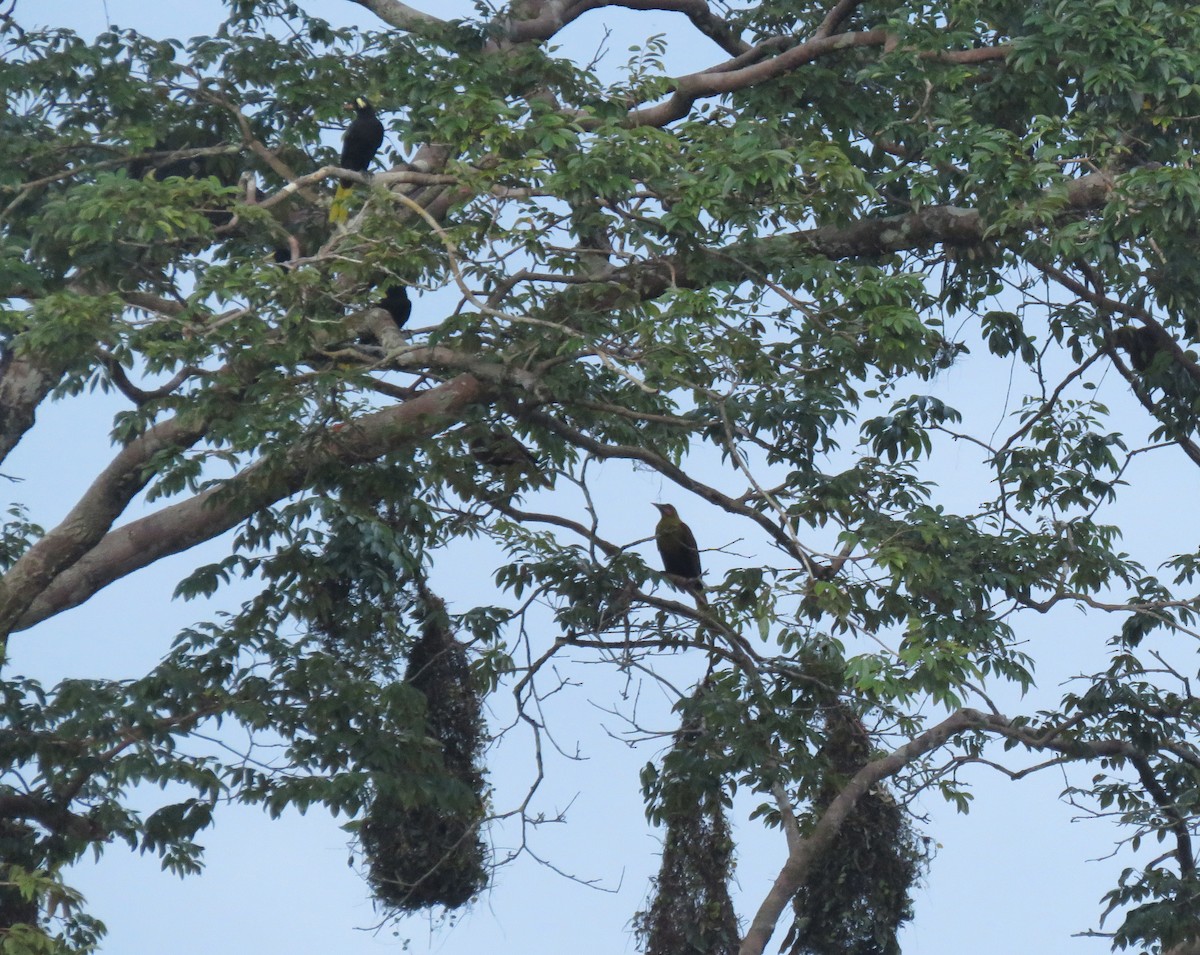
[{"x": 752, "y": 282}]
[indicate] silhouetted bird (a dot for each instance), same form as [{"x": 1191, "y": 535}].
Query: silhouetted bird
[
  {"x": 680, "y": 555},
  {"x": 1139, "y": 342},
  {"x": 508, "y": 457},
  {"x": 395, "y": 302},
  {"x": 360, "y": 142}
]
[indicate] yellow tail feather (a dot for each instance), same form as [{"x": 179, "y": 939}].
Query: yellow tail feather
[{"x": 339, "y": 210}]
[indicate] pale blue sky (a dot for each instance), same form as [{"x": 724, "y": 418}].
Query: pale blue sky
[{"x": 1017, "y": 864}]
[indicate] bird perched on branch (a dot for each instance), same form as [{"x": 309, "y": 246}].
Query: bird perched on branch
[
  {"x": 396, "y": 303},
  {"x": 1140, "y": 343},
  {"x": 360, "y": 142},
  {"x": 680, "y": 555},
  {"x": 508, "y": 457}
]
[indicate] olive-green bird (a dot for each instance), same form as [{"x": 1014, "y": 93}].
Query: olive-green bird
[
  {"x": 680, "y": 555},
  {"x": 499, "y": 451}
]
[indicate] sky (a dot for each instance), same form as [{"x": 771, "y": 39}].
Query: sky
[{"x": 1021, "y": 863}]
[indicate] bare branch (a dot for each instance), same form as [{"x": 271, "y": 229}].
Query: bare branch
[
  {"x": 695, "y": 86},
  {"x": 836, "y": 16},
  {"x": 401, "y": 15},
  {"x": 801, "y": 858},
  {"x": 698, "y": 11},
  {"x": 721, "y": 79},
  {"x": 91, "y": 517},
  {"x": 139, "y": 396}
]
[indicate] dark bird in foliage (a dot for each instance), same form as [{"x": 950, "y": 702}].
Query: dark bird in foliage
[
  {"x": 680, "y": 555},
  {"x": 1140, "y": 343},
  {"x": 1145, "y": 343},
  {"x": 159, "y": 165},
  {"x": 508, "y": 457},
  {"x": 395, "y": 302},
  {"x": 360, "y": 142}
]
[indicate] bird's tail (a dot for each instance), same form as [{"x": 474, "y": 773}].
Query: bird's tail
[{"x": 339, "y": 209}]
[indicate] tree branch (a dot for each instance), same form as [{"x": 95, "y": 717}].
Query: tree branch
[
  {"x": 837, "y": 16},
  {"x": 1178, "y": 825},
  {"x": 805, "y": 852},
  {"x": 217, "y": 510},
  {"x": 801, "y": 857},
  {"x": 401, "y": 15},
  {"x": 721, "y": 79},
  {"x": 698, "y": 11},
  {"x": 91, "y": 517},
  {"x": 52, "y": 815},
  {"x": 25, "y": 381},
  {"x": 695, "y": 86},
  {"x": 868, "y": 237}
]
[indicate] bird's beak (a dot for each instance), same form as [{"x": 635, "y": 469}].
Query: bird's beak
[{"x": 661, "y": 509}]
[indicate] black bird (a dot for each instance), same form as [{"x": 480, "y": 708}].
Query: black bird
[
  {"x": 395, "y": 302},
  {"x": 360, "y": 142},
  {"x": 1140, "y": 343},
  {"x": 680, "y": 555}
]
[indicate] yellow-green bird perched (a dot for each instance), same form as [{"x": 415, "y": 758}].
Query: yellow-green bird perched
[
  {"x": 680, "y": 555},
  {"x": 360, "y": 142}
]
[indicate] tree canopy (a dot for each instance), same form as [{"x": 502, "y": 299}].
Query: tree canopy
[{"x": 862, "y": 287}]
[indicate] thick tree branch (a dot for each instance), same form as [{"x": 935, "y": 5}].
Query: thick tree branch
[
  {"x": 837, "y": 16},
  {"x": 52, "y": 815},
  {"x": 688, "y": 89},
  {"x": 914, "y": 231},
  {"x": 25, "y": 380},
  {"x": 401, "y": 15},
  {"x": 155, "y": 304},
  {"x": 721, "y": 79},
  {"x": 215, "y": 511},
  {"x": 91, "y": 517},
  {"x": 537, "y": 20},
  {"x": 698, "y": 11}
]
